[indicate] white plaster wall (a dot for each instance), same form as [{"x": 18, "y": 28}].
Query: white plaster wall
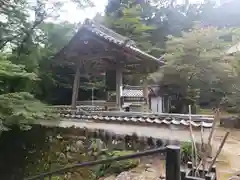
[{"x": 157, "y": 104}]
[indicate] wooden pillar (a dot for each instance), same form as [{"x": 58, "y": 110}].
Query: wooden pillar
[
  {"x": 145, "y": 94},
  {"x": 119, "y": 79},
  {"x": 75, "y": 88},
  {"x": 173, "y": 163}
]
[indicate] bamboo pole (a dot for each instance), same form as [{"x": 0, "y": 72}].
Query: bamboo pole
[
  {"x": 216, "y": 118},
  {"x": 218, "y": 151},
  {"x": 194, "y": 148},
  {"x": 208, "y": 147},
  {"x": 202, "y": 162},
  {"x": 203, "y": 149}
]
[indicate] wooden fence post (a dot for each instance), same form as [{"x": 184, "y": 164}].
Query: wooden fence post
[{"x": 173, "y": 163}]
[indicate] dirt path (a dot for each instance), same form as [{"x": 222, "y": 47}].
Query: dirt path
[{"x": 228, "y": 162}]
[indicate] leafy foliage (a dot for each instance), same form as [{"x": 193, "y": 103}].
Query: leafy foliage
[
  {"x": 149, "y": 23},
  {"x": 186, "y": 152},
  {"x": 196, "y": 72},
  {"x": 10, "y": 70},
  {"x": 231, "y": 102},
  {"x": 195, "y": 65},
  {"x": 21, "y": 109},
  {"x": 117, "y": 166},
  {"x": 26, "y": 42},
  {"x": 18, "y": 107},
  {"x": 131, "y": 25},
  {"x": 120, "y": 166},
  {"x": 43, "y": 149}
]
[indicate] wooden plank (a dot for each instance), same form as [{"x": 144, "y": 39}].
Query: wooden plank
[{"x": 97, "y": 103}]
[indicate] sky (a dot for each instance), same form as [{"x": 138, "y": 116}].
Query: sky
[{"x": 72, "y": 14}]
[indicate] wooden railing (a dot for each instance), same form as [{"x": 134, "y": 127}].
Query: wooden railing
[
  {"x": 172, "y": 163},
  {"x": 89, "y": 103},
  {"x": 106, "y": 105}
]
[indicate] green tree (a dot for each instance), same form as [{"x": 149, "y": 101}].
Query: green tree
[
  {"x": 131, "y": 25},
  {"x": 196, "y": 63},
  {"x": 26, "y": 44},
  {"x": 166, "y": 17},
  {"x": 149, "y": 23},
  {"x": 53, "y": 73},
  {"x": 231, "y": 102},
  {"x": 18, "y": 108}
]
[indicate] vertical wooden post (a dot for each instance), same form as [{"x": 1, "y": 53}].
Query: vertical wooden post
[
  {"x": 75, "y": 87},
  {"x": 118, "y": 87},
  {"x": 173, "y": 163},
  {"x": 145, "y": 94}
]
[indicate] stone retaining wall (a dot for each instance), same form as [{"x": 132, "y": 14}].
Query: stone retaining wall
[{"x": 121, "y": 142}]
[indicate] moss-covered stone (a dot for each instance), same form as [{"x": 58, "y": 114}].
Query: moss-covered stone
[
  {"x": 120, "y": 166},
  {"x": 55, "y": 178}
]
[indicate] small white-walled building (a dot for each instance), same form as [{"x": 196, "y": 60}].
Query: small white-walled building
[{"x": 132, "y": 96}]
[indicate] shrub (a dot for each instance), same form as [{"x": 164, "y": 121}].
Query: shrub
[
  {"x": 117, "y": 166},
  {"x": 186, "y": 152}
]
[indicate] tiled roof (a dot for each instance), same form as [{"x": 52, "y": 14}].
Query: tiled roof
[
  {"x": 108, "y": 33},
  {"x": 205, "y": 121},
  {"x": 150, "y": 120},
  {"x": 140, "y": 118},
  {"x": 113, "y": 37}
]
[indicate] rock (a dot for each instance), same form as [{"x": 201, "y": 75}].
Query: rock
[
  {"x": 62, "y": 157},
  {"x": 97, "y": 145},
  {"x": 139, "y": 177},
  {"x": 125, "y": 176},
  {"x": 148, "y": 166},
  {"x": 150, "y": 170},
  {"x": 59, "y": 136},
  {"x": 79, "y": 145},
  {"x": 135, "y": 176},
  {"x": 100, "y": 144},
  {"x": 73, "y": 149}
]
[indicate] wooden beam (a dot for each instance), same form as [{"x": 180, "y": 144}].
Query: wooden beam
[
  {"x": 77, "y": 56},
  {"x": 145, "y": 94},
  {"x": 75, "y": 87},
  {"x": 140, "y": 63},
  {"x": 119, "y": 78},
  {"x": 118, "y": 49},
  {"x": 100, "y": 65}
]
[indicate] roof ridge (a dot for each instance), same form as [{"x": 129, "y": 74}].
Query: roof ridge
[
  {"x": 103, "y": 29},
  {"x": 113, "y": 37}
]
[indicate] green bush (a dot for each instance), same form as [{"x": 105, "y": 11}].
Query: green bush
[
  {"x": 117, "y": 166},
  {"x": 186, "y": 152},
  {"x": 120, "y": 166}
]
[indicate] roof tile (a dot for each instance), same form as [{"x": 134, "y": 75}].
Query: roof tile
[{"x": 117, "y": 39}]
